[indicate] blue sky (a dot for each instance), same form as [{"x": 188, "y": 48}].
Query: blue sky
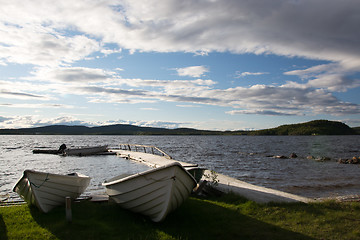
[{"x": 205, "y": 64}]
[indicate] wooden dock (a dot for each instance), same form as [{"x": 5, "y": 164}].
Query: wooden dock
[
  {"x": 148, "y": 159},
  {"x": 224, "y": 183}
]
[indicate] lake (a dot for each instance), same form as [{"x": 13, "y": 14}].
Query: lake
[{"x": 243, "y": 157}]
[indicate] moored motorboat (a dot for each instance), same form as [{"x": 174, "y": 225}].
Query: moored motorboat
[
  {"x": 78, "y": 151},
  {"x": 84, "y": 151},
  {"x": 154, "y": 193},
  {"x": 48, "y": 190},
  {"x": 46, "y": 151}
]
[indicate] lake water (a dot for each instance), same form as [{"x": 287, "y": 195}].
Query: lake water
[{"x": 243, "y": 157}]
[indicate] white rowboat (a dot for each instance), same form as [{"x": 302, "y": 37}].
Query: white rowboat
[
  {"x": 47, "y": 190},
  {"x": 153, "y": 193}
]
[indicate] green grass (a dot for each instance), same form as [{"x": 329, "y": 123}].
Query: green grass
[{"x": 228, "y": 217}]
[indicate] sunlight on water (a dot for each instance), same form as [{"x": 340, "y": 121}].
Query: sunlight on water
[{"x": 243, "y": 157}]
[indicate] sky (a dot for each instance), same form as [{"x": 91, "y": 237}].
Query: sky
[{"x": 204, "y": 64}]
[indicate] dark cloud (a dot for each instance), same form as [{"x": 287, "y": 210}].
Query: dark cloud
[
  {"x": 264, "y": 112},
  {"x": 20, "y": 94},
  {"x": 80, "y": 75},
  {"x": 116, "y": 91},
  {"x": 3, "y": 119}
]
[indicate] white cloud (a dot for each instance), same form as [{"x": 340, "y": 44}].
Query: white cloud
[
  {"x": 110, "y": 51},
  {"x": 51, "y": 36},
  {"x": 150, "y": 109},
  {"x": 35, "y": 121},
  {"x": 71, "y": 75},
  {"x": 267, "y": 100},
  {"x": 188, "y": 106},
  {"x": 68, "y": 120},
  {"x": 332, "y": 77},
  {"x": 193, "y": 71},
  {"x": 99, "y": 86},
  {"x": 323, "y": 29},
  {"x": 244, "y": 74},
  {"x": 42, "y": 46},
  {"x": 37, "y": 32},
  {"x": 38, "y": 121},
  {"x": 35, "y": 105}
]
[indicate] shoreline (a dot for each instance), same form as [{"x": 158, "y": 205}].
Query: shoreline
[
  {"x": 229, "y": 184},
  {"x": 224, "y": 217},
  {"x": 100, "y": 198}
]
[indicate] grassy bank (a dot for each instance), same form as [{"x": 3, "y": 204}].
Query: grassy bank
[{"x": 228, "y": 217}]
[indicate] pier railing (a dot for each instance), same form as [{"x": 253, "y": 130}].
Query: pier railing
[{"x": 145, "y": 149}]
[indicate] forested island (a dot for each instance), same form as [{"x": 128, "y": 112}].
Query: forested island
[{"x": 316, "y": 127}]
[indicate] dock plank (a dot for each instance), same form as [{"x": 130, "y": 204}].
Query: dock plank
[
  {"x": 149, "y": 159},
  {"x": 253, "y": 192}
]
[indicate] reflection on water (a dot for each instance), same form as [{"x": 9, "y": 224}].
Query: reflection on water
[{"x": 243, "y": 157}]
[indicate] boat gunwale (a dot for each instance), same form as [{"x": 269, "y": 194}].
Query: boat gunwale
[
  {"x": 72, "y": 175},
  {"x": 25, "y": 184},
  {"x": 148, "y": 172}
]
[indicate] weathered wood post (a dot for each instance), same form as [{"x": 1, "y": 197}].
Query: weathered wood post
[{"x": 68, "y": 209}]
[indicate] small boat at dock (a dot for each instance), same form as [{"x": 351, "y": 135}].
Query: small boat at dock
[
  {"x": 46, "y": 151},
  {"x": 154, "y": 193},
  {"x": 48, "y": 190},
  {"x": 79, "y": 151},
  {"x": 84, "y": 151}
]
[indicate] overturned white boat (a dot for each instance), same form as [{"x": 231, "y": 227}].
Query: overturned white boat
[
  {"x": 153, "y": 193},
  {"x": 84, "y": 151},
  {"x": 48, "y": 190}
]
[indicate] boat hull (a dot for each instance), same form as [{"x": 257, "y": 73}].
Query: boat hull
[
  {"x": 84, "y": 151},
  {"x": 47, "y": 190},
  {"x": 154, "y": 193}
]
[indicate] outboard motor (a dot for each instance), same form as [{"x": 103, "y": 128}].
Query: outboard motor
[{"x": 62, "y": 148}]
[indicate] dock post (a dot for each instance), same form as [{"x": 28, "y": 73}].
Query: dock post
[{"x": 68, "y": 209}]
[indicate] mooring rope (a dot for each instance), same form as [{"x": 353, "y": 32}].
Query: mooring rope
[
  {"x": 159, "y": 180},
  {"x": 38, "y": 186},
  {"x": 4, "y": 198}
]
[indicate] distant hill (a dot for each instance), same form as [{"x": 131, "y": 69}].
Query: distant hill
[
  {"x": 118, "y": 129},
  {"x": 357, "y": 130},
  {"x": 317, "y": 127}
]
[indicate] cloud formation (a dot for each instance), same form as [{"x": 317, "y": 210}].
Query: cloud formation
[
  {"x": 53, "y": 38},
  {"x": 193, "y": 71},
  {"x": 244, "y": 74},
  {"x": 104, "y": 87},
  {"x": 324, "y": 29}
]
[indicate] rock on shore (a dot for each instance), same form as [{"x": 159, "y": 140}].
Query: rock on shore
[{"x": 354, "y": 160}]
